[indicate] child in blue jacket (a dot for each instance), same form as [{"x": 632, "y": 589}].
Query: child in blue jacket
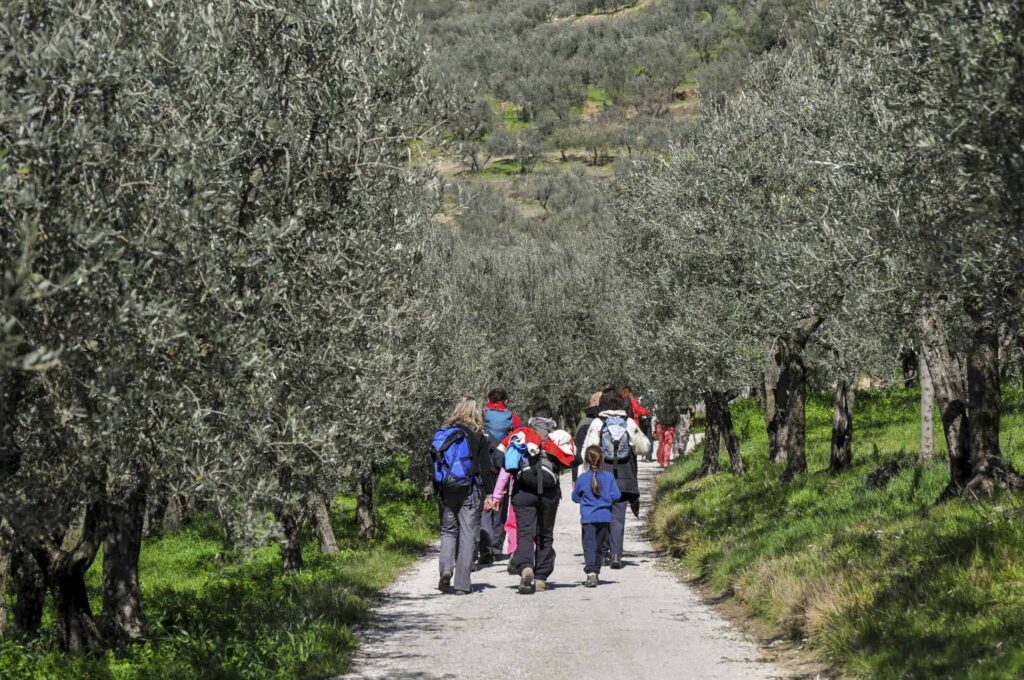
[{"x": 595, "y": 491}]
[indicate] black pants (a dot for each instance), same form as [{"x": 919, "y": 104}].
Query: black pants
[
  {"x": 535, "y": 522},
  {"x": 617, "y": 529},
  {"x": 595, "y": 537}
]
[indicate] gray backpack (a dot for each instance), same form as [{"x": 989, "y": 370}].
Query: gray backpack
[{"x": 615, "y": 439}]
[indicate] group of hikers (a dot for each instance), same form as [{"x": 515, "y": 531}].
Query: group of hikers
[{"x": 498, "y": 478}]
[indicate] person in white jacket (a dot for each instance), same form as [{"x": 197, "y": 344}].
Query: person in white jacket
[{"x": 621, "y": 441}]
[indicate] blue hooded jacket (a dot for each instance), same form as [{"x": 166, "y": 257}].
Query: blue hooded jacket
[{"x": 594, "y": 509}]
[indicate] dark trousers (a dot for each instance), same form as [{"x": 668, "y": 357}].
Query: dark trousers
[
  {"x": 535, "y": 522},
  {"x": 595, "y": 537},
  {"x": 618, "y": 527},
  {"x": 492, "y": 529}
]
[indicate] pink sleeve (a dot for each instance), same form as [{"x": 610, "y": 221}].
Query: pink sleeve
[{"x": 499, "y": 487}]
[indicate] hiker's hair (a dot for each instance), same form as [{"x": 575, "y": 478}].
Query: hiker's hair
[
  {"x": 543, "y": 412},
  {"x": 497, "y": 394},
  {"x": 467, "y": 414},
  {"x": 612, "y": 401},
  {"x": 594, "y": 460}
]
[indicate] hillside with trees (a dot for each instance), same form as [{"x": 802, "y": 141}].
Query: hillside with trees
[{"x": 251, "y": 254}]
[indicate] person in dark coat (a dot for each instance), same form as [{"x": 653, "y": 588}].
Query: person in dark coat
[
  {"x": 593, "y": 408},
  {"x": 625, "y": 472}
]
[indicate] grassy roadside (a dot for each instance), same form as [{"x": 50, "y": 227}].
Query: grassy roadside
[
  {"x": 881, "y": 583},
  {"x": 214, "y": 620}
]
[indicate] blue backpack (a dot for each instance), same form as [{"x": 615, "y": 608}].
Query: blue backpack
[
  {"x": 453, "y": 464},
  {"x": 499, "y": 423}
]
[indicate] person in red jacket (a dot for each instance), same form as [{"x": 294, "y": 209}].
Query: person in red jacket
[{"x": 635, "y": 408}]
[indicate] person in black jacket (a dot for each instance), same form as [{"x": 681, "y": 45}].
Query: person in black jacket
[
  {"x": 593, "y": 408},
  {"x": 459, "y": 492}
]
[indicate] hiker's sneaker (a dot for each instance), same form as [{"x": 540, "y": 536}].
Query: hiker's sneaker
[
  {"x": 607, "y": 559},
  {"x": 526, "y": 581},
  {"x": 591, "y": 581},
  {"x": 486, "y": 558},
  {"x": 616, "y": 562},
  {"x": 540, "y": 585},
  {"x": 446, "y": 582},
  {"x": 460, "y": 592},
  {"x": 512, "y": 570}
]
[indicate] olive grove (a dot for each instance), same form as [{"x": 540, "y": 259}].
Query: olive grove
[{"x": 206, "y": 211}]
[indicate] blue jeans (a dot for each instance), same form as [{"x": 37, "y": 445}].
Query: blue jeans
[{"x": 595, "y": 537}]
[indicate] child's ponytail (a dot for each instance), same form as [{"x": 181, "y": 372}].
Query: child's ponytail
[{"x": 594, "y": 460}]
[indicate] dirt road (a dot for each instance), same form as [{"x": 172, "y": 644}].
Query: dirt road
[{"x": 641, "y": 622}]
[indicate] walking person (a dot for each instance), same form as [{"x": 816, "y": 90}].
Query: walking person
[
  {"x": 536, "y": 455},
  {"x": 498, "y": 422},
  {"x": 665, "y": 436},
  {"x": 460, "y": 450},
  {"x": 596, "y": 492},
  {"x": 621, "y": 442},
  {"x": 593, "y": 408}
]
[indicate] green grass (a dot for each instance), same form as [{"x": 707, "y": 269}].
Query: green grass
[
  {"x": 598, "y": 95},
  {"x": 214, "y": 620},
  {"x": 881, "y": 583}
]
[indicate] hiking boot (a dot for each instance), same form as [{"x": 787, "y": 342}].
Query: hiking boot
[
  {"x": 446, "y": 582},
  {"x": 540, "y": 585},
  {"x": 591, "y": 581},
  {"x": 460, "y": 592},
  {"x": 616, "y": 562},
  {"x": 486, "y": 558},
  {"x": 526, "y": 581},
  {"x": 607, "y": 559},
  {"x": 512, "y": 570}
]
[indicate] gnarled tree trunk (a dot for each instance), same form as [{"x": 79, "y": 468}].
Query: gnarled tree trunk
[
  {"x": 725, "y": 428},
  {"x": 766, "y": 397},
  {"x": 5, "y": 572},
  {"x": 320, "y": 516},
  {"x": 790, "y": 400},
  {"x": 951, "y": 398},
  {"x": 712, "y": 435},
  {"x": 841, "y": 455},
  {"x": 30, "y": 592},
  {"x": 290, "y": 516},
  {"x": 989, "y": 470},
  {"x": 121, "y": 616},
  {"x": 366, "y": 520}
]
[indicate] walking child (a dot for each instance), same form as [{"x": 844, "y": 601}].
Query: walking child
[{"x": 596, "y": 492}]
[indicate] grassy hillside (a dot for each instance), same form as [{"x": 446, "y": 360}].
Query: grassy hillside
[
  {"x": 212, "y": 619},
  {"x": 882, "y": 583}
]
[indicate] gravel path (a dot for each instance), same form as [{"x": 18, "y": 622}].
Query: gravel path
[{"x": 641, "y": 622}]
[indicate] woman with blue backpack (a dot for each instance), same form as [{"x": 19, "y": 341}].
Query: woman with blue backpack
[
  {"x": 461, "y": 453},
  {"x": 621, "y": 441}
]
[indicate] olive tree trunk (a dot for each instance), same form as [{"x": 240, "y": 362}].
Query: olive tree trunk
[
  {"x": 65, "y": 567},
  {"x": 989, "y": 470},
  {"x": 366, "y": 519},
  {"x": 320, "y": 516},
  {"x": 712, "y": 435},
  {"x": 290, "y": 516},
  {"x": 790, "y": 400},
  {"x": 121, "y": 615},
  {"x": 728, "y": 434},
  {"x": 927, "y": 449},
  {"x": 841, "y": 455},
  {"x": 766, "y": 397},
  {"x": 30, "y": 592},
  {"x": 951, "y": 397}
]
